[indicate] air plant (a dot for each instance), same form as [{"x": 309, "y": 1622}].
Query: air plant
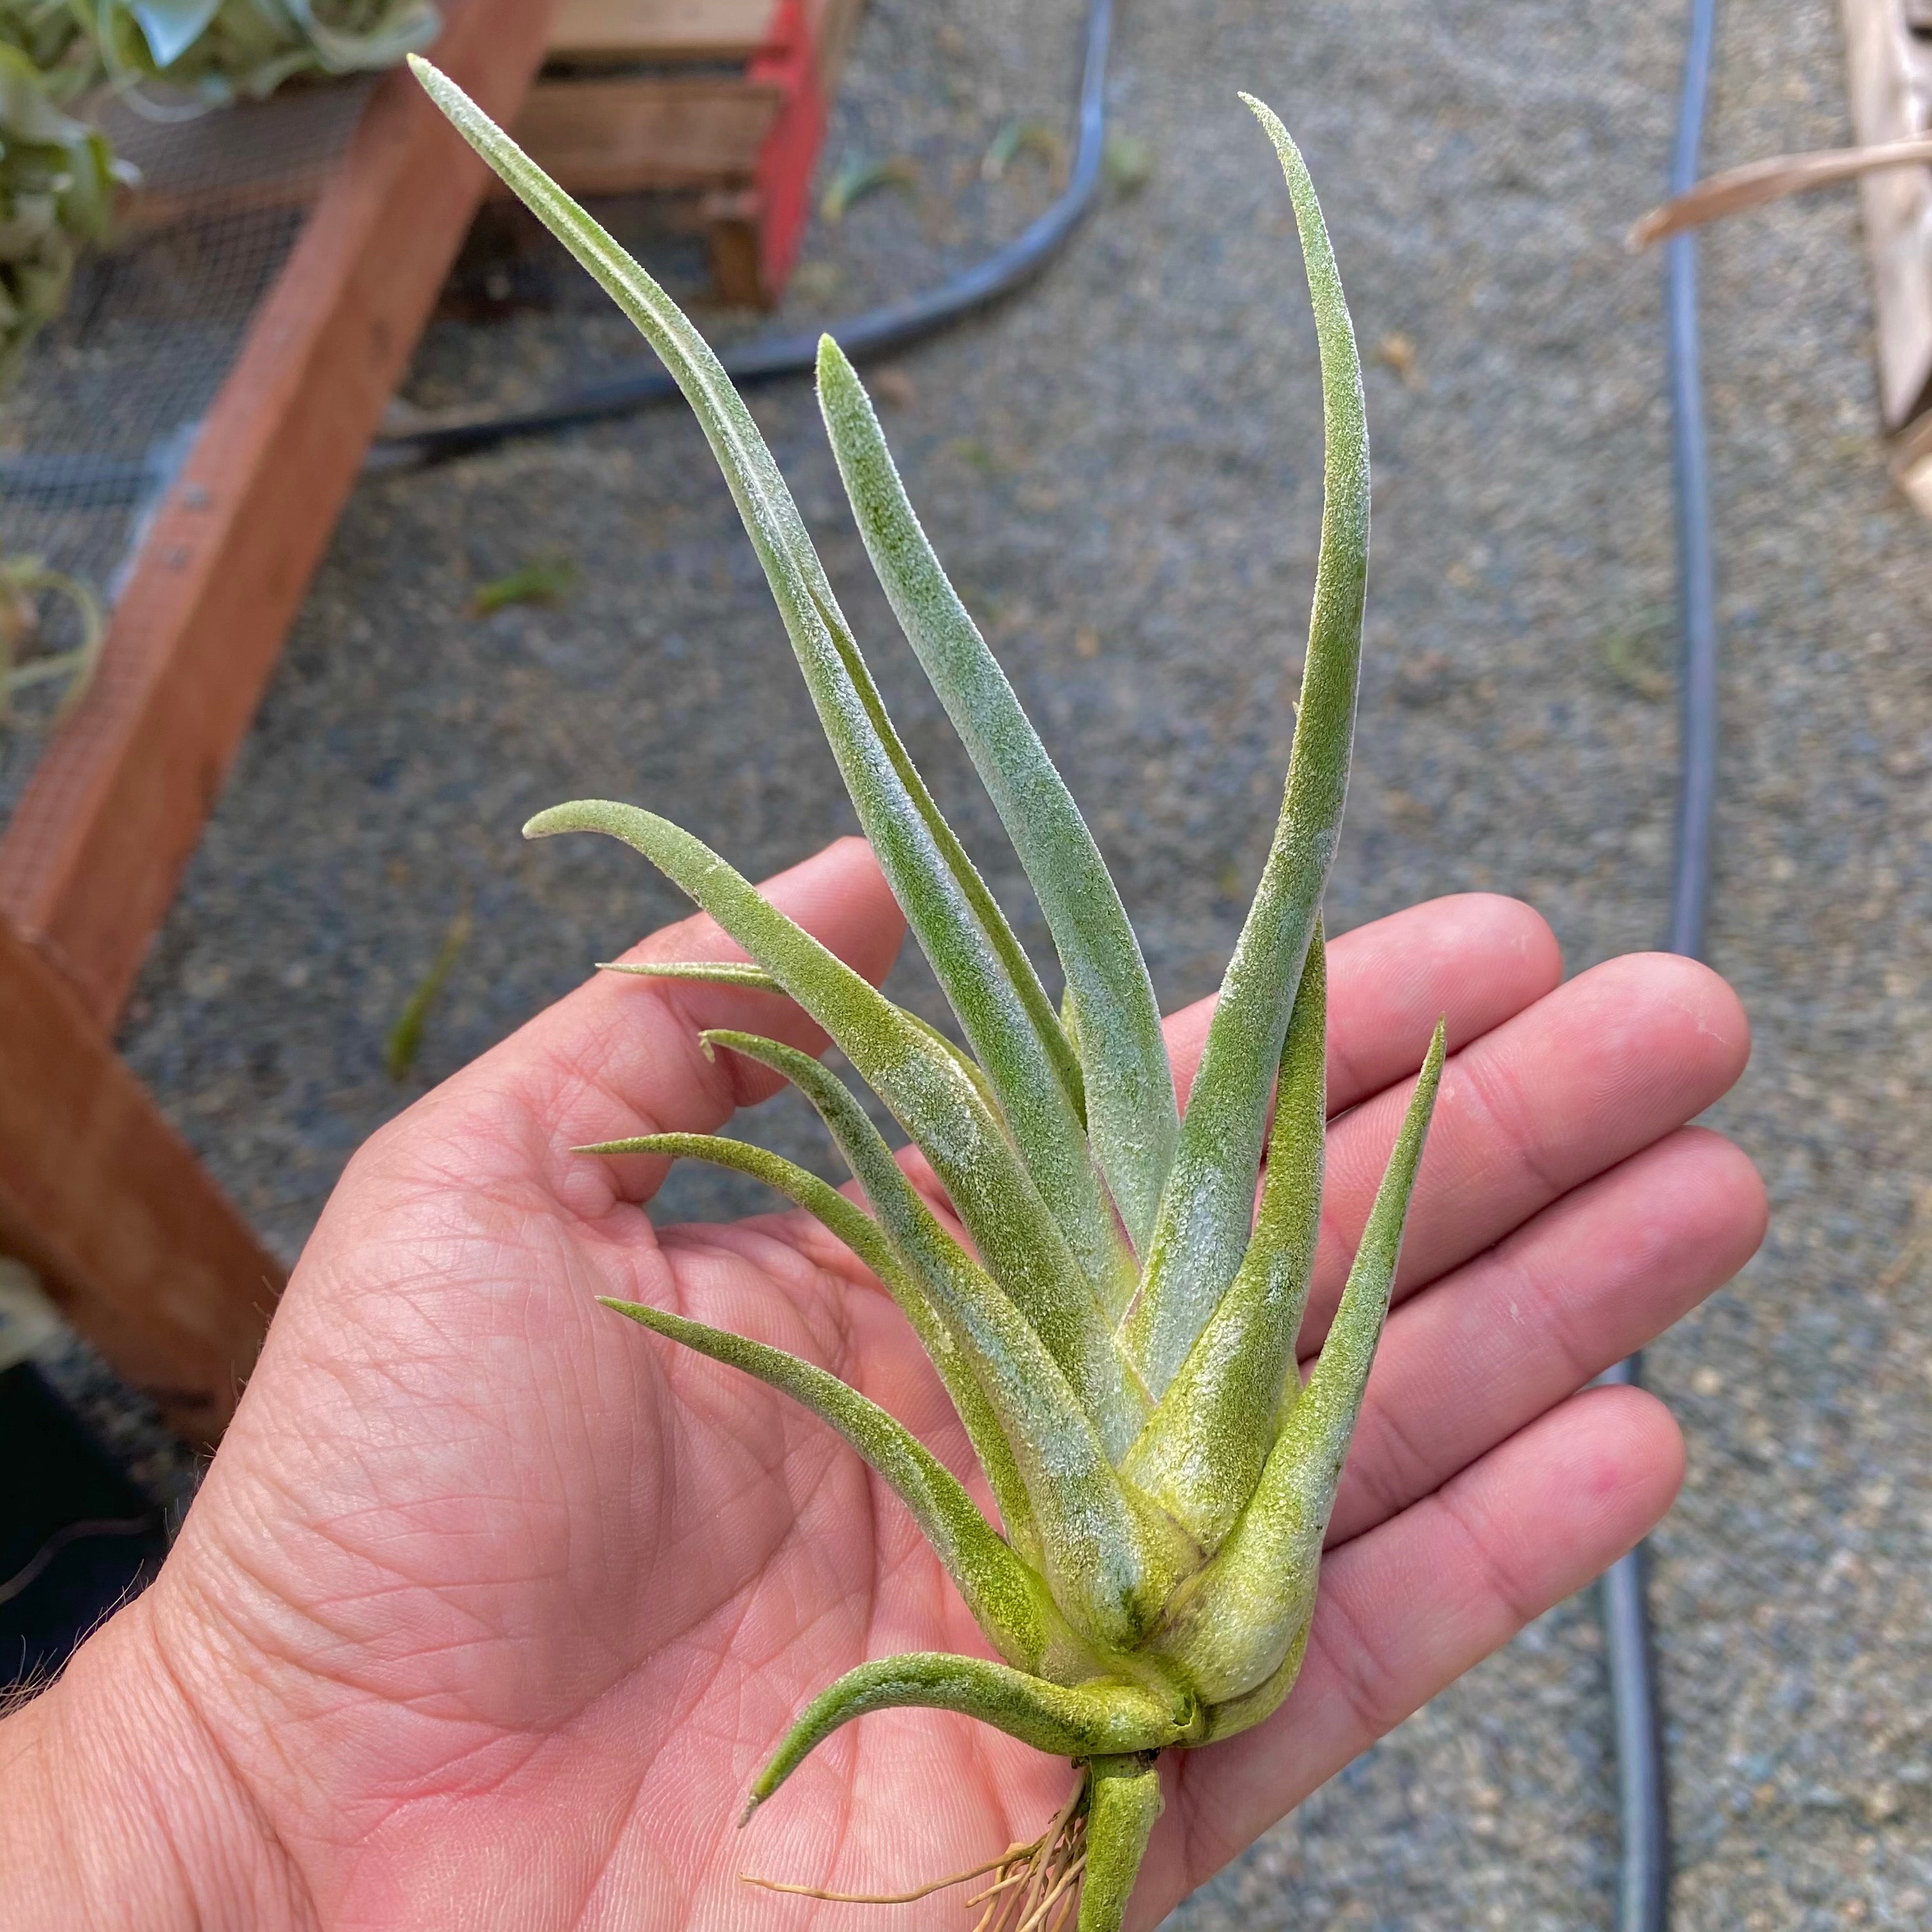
[
  {"x": 52, "y": 34},
  {"x": 58, "y": 182},
  {"x": 221, "y": 50},
  {"x": 1119, "y": 1338},
  {"x": 24, "y": 582},
  {"x": 59, "y": 179},
  {"x": 226, "y": 50}
]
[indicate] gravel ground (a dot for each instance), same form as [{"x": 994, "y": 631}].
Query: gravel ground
[{"x": 1123, "y": 469}]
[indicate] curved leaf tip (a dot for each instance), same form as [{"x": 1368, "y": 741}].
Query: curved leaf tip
[{"x": 554, "y": 819}]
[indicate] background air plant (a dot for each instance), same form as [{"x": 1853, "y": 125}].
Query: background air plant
[
  {"x": 223, "y": 49},
  {"x": 1119, "y": 1340},
  {"x": 25, "y": 582},
  {"x": 57, "y": 185},
  {"x": 59, "y": 179},
  {"x": 52, "y": 34}
]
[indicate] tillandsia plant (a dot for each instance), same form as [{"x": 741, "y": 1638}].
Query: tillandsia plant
[
  {"x": 1119, "y": 1338},
  {"x": 59, "y": 179},
  {"x": 58, "y": 182},
  {"x": 223, "y": 49},
  {"x": 52, "y": 35},
  {"x": 219, "y": 49},
  {"x": 24, "y": 582}
]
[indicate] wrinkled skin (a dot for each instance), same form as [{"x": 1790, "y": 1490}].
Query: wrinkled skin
[{"x": 493, "y": 1604}]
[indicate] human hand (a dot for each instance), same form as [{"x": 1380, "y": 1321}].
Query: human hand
[{"x": 493, "y": 1605}]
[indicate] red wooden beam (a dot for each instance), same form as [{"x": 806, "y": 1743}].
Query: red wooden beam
[
  {"x": 97, "y": 843},
  {"x": 101, "y": 1198}
]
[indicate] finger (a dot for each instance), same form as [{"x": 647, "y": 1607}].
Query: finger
[
  {"x": 1405, "y": 1610},
  {"x": 1612, "y": 1060},
  {"x": 1484, "y": 1352},
  {"x": 621, "y": 1056},
  {"x": 1476, "y": 958}
]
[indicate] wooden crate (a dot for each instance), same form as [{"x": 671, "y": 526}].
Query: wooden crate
[
  {"x": 723, "y": 101},
  {"x": 1888, "y": 56},
  {"x": 131, "y": 1237}
]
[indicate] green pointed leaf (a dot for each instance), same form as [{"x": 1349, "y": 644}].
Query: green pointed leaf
[
  {"x": 171, "y": 27},
  {"x": 1203, "y": 1228},
  {"x": 967, "y": 1064},
  {"x": 1201, "y": 1452},
  {"x": 1325, "y": 1410},
  {"x": 1109, "y": 1557},
  {"x": 978, "y": 962},
  {"x": 1129, "y": 1087},
  {"x": 704, "y": 972},
  {"x": 1233, "y": 1622},
  {"x": 990, "y": 985},
  {"x": 1095, "y": 1720},
  {"x": 841, "y": 1215},
  {"x": 1122, "y": 1802},
  {"x": 1008, "y": 1600},
  {"x": 927, "y": 1091},
  {"x": 1071, "y": 1329},
  {"x": 868, "y": 1241}
]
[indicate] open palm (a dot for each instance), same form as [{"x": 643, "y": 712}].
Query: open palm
[{"x": 493, "y": 1605}]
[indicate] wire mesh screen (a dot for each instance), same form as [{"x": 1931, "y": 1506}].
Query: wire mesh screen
[{"x": 106, "y": 406}]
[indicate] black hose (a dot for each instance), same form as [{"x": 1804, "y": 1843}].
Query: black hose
[
  {"x": 1642, "y": 1774},
  {"x": 1690, "y": 876},
  {"x": 1643, "y": 1889},
  {"x": 873, "y": 332}
]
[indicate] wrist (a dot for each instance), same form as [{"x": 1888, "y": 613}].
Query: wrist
[{"x": 117, "y": 1810}]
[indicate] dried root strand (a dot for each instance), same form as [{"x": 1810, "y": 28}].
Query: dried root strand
[
  {"x": 1034, "y": 1888},
  {"x": 1001, "y": 1914},
  {"x": 1005, "y": 1857},
  {"x": 1038, "y": 1885}
]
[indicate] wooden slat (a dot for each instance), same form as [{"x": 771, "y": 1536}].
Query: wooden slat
[
  {"x": 617, "y": 136},
  {"x": 746, "y": 142},
  {"x": 1891, "y": 75},
  {"x": 832, "y": 23},
  {"x": 99, "y": 839},
  {"x": 101, "y": 1198},
  {"x": 733, "y": 220},
  {"x": 660, "y": 30},
  {"x": 783, "y": 181}
]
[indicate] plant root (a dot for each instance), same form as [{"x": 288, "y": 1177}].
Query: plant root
[
  {"x": 918, "y": 1891},
  {"x": 1035, "y": 1885}
]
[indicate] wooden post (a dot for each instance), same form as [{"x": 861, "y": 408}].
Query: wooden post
[
  {"x": 100, "y": 1195},
  {"x": 1890, "y": 70},
  {"x": 98, "y": 841}
]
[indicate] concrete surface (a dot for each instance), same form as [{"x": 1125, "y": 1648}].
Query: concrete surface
[{"x": 1122, "y": 470}]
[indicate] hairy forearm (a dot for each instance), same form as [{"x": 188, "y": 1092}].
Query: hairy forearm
[{"x": 116, "y": 1810}]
